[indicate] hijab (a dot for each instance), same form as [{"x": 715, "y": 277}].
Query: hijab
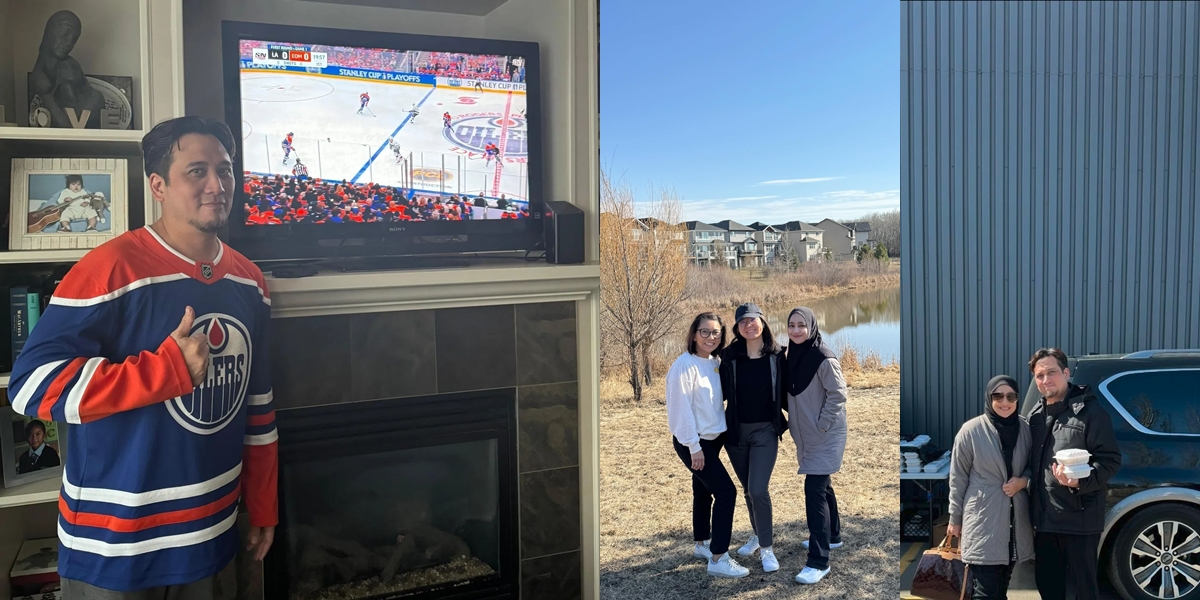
[
  {"x": 804, "y": 359},
  {"x": 1008, "y": 427}
]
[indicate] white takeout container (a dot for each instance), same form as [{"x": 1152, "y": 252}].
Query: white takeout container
[
  {"x": 1077, "y": 471},
  {"x": 1072, "y": 456}
]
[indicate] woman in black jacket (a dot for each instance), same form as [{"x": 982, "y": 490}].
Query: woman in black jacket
[{"x": 752, "y": 371}]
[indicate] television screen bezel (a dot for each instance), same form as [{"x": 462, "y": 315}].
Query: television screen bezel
[{"x": 344, "y": 240}]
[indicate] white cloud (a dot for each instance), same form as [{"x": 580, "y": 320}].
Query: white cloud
[
  {"x": 790, "y": 181},
  {"x": 841, "y": 205}
]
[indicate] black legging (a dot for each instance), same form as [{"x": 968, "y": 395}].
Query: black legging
[
  {"x": 824, "y": 524},
  {"x": 709, "y": 484}
]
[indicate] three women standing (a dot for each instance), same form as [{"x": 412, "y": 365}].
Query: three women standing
[{"x": 742, "y": 409}]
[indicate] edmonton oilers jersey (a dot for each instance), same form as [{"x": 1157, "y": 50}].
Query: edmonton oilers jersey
[{"x": 154, "y": 467}]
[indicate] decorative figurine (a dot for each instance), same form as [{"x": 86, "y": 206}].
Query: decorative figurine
[{"x": 62, "y": 96}]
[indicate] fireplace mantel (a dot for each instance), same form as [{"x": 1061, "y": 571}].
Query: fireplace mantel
[
  {"x": 485, "y": 284},
  {"x": 540, "y": 335}
]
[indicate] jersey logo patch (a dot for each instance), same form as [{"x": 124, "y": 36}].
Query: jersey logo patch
[
  {"x": 213, "y": 404},
  {"x": 206, "y": 270}
]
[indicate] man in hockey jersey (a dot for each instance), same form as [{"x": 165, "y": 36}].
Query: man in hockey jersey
[
  {"x": 363, "y": 100},
  {"x": 155, "y": 364}
]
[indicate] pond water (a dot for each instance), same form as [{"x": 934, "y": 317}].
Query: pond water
[{"x": 863, "y": 319}]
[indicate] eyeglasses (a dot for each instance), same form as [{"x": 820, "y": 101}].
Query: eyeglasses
[
  {"x": 710, "y": 333},
  {"x": 1009, "y": 397}
]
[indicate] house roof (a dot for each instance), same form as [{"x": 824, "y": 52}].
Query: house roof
[
  {"x": 698, "y": 226},
  {"x": 728, "y": 225},
  {"x": 796, "y": 226},
  {"x": 830, "y": 223},
  {"x": 760, "y": 226},
  {"x": 858, "y": 225}
]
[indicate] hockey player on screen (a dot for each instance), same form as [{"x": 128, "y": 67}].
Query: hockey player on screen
[
  {"x": 413, "y": 112},
  {"x": 446, "y": 120},
  {"x": 364, "y": 99},
  {"x": 491, "y": 151},
  {"x": 478, "y": 86},
  {"x": 395, "y": 148},
  {"x": 287, "y": 147}
]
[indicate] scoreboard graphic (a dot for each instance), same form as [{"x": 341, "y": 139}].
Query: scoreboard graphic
[{"x": 289, "y": 56}]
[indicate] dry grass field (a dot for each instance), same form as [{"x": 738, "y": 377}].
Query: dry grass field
[{"x": 645, "y": 506}]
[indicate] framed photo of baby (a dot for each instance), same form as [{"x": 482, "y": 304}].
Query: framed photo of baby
[{"x": 67, "y": 203}]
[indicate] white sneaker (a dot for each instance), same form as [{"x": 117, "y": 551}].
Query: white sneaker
[
  {"x": 770, "y": 563},
  {"x": 701, "y": 550},
  {"x": 727, "y": 567},
  {"x": 750, "y": 546},
  {"x": 810, "y": 575},
  {"x": 832, "y": 545}
]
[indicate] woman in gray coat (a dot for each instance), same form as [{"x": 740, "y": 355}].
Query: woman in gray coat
[
  {"x": 989, "y": 506},
  {"x": 816, "y": 396}
]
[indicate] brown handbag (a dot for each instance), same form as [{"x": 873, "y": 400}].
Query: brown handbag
[{"x": 941, "y": 574}]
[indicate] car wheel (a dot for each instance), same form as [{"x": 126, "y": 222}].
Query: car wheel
[{"x": 1156, "y": 555}]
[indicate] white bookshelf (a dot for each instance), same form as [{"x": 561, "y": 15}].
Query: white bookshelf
[
  {"x": 37, "y": 492},
  {"x": 132, "y": 136},
  {"x": 139, "y": 39},
  {"x": 41, "y": 256}
]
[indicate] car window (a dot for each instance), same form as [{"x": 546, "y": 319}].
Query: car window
[{"x": 1163, "y": 401}]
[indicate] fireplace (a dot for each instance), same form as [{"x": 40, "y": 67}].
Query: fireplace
[{"x": 410, "y": 497}]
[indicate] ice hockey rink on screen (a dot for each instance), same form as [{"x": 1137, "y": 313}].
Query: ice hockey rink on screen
[{"x": 336, "y": 141}]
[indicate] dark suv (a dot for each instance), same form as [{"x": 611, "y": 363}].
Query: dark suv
[{"x": 1151, "y": 541}]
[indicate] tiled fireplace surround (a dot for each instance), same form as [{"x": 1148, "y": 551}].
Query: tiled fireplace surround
[{"x": 331, "y": 359}]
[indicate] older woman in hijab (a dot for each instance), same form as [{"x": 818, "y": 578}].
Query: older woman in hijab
[
  {"x": 989, "y": 506},
  {"x": 816, "y": 397}
]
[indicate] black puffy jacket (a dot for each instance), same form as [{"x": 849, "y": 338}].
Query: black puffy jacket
[{"x": 1084, "y": 424}]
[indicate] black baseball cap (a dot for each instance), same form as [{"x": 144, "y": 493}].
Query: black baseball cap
[{"x": 748, "y": 309}]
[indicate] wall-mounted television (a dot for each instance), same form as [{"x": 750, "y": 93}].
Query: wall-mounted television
[{"x": 358, "y": 143}]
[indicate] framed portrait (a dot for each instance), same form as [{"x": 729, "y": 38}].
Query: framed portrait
[
  {"x": 30, "y": 449},
  {"x": 67, "y": 203}
]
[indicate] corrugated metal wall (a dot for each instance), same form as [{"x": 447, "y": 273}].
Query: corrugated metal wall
[{"x": 1048, "y": 190}]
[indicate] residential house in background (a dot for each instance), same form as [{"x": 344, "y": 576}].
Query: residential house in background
[
  {"x": 762, "y": 244},
  {"x": 862, "y": 232},
  {"x": 748, "y": 250},
  {"x": 706, "y": 243},
  {"x": 838, "y": 238},
  {"x": 805, "y": 239},
  {"x": 769, "y": 239}
]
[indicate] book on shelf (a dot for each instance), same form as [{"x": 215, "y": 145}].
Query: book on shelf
[{"x": 25, "y": 307}]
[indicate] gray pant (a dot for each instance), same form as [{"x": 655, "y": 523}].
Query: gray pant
[
  {"x": 200, "y": 590},
  {"x": 753, "y": 460}
]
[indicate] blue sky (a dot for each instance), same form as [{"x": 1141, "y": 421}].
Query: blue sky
[{"x": 768, "y": 110}]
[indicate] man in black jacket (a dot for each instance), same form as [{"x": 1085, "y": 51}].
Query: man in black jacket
[{"x": 1067, "y": 513}]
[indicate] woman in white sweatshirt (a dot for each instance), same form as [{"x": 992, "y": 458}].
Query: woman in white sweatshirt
[{"x": 696, "y": 417}]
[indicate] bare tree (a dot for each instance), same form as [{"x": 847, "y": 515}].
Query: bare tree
[
  {"x": 885, "y": 229},
  {"x": 643, "y": 272}
]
